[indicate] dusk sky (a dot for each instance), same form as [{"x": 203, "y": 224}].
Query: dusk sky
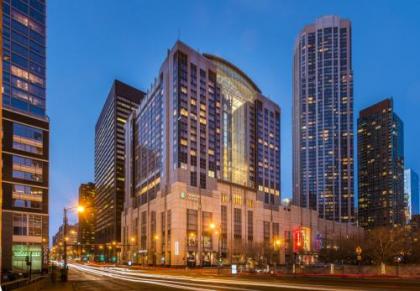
[{"x": 91, "y": 43}]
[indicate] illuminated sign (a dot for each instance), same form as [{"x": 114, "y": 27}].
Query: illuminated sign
[
  {"x": 302, "y": 239},
  {"x": 189, "y": 196}
]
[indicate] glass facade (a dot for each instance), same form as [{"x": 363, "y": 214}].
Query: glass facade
[
  {"x": 21, "y": 252},
  {"x": 323, "y": 119},
  {"x": 24, "y": 56},
  {"x": 380, "y": 166},
  {"x": 412, "y": 193},
  {"x": 148, "y": 147},
  {"x": 110, "y": 159},
  {"x": 25, "y": 127}
]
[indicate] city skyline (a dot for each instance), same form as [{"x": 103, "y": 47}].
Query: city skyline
[{"x": 270, "y": 71}]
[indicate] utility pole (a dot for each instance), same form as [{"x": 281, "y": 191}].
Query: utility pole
[{"x": 64, "y": 275}]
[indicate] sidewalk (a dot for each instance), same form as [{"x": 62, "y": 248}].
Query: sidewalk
[{"x": 46, "y": 284}]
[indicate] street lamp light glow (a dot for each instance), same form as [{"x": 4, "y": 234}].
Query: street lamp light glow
[{"x": 212, "y": 226}]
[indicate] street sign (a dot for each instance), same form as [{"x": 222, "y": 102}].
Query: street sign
[{"x": 234, "y": 270}]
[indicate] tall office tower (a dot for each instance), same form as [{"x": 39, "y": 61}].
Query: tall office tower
[
  {"x": 323, "y": 119},
  {"x": 86, "y": 235},
  {"x": 109, "y": 160},
  {"x": 380, "y": 166},
  {"x": 411, "y": 191},
  {"x": 202, "y": 149},
  {"x": 25, "y": 137}
]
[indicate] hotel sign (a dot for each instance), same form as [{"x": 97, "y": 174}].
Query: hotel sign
[{"x": 189, "y": 196}]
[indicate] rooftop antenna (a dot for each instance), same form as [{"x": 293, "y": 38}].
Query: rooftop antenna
[{"x": 179, "y": 34}]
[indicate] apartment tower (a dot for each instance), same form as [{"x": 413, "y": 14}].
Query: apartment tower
[
  {"x": 25, "y": 137},
  {"x": 380, "y": 142},
  {"x": 323, "y": 119}
]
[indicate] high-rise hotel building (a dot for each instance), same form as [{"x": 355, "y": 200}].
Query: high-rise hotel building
[
  {"x": 323, "y": 119},
  {"x": 109, "y": 160},
  {"x": 380, "y": 142},
  {"x": 25, "y": 136},
  {"x": 203, "y": 167}
]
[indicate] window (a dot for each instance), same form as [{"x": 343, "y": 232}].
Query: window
[
  {"x": 24, "y": 224},
  {"x": 237, "y": 199},
  {"x": 250, "y": 203},
  {"x": 225, "y": 198},
  {"x": 207, "y": 219},
  {"x": 192, "y": 226},
  {"x": 193, "y": 180},
  {"x": 20, "y": 224},
  {"x": 192, "y": 220},
  {"x": 276, "y": 230},
  {"x": 237, "y": 223},
  {"x": 266, "y": 229},
  {"x": 26, "y": 204},
  {"x": 35, "y": 225},
  {"x": 202, "y": 181},
  {"x": 26, "y": 138},
  {"x": 27, "y": 169},
  {"x": 21, "y": 251},
  {"x": 143, "y": 229},
  {"x": 224, "y": 226},
  {"x": 250, "y": 225},
  {"x": 24, "y": 190}
]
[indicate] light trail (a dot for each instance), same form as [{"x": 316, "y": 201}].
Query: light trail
[
  {"x": 199, "y": 284},
  {"x": 174, "y": 283}
]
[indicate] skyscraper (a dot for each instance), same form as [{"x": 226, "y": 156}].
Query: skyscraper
[
  {"x": 25, "y": 140},
  {"x": 86, "y": 235},
  {"x": 411, "y": 191},
  {"x": 380, "y": 145},
  {"x": 109, "y": 159},
  {"x": 323, "y": 119}
]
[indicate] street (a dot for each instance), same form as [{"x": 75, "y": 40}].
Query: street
[{"x": 93, "y": 278}]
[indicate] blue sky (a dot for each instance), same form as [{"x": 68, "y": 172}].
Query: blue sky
[{"x": 90, "y": 43}]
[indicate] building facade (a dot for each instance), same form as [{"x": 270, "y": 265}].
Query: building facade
[
  {"x": 73, "y": 246},
  {"x": 25, "y": 137},
  {"x": 109, "y": 160},
  {"x": 323, "y": 119},
  {"x": 86, "y": 234},
  {"x": 380, "y": 166},
  {"x": 411, "y": 192},
  {"x": 202, "y": 167}
]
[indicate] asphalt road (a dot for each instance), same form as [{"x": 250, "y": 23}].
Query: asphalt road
[{"x": 88, "y": 278}]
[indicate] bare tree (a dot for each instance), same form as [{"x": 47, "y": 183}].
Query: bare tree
[{"x": 383, "y": 244}]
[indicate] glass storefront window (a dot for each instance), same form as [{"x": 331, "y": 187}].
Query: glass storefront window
[{"x": 21, "y": 252}]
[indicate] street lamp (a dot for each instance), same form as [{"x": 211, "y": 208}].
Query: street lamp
[{"x": 80, "y": 209}]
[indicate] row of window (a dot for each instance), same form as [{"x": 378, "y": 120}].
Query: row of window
[{"x": 27, "y": 224}]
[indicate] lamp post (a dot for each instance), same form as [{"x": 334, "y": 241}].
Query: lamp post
[{"x": 80, "y": 209}]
